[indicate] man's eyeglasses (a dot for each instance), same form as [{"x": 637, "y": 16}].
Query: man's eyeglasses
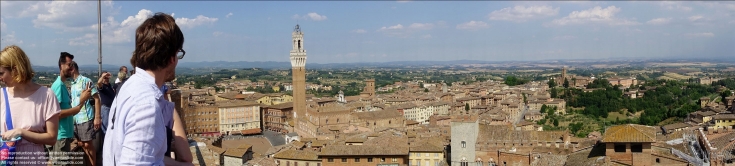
[{"x": 181, "y": 54}]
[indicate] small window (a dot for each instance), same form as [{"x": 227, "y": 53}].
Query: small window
[
  {"x": 619, "y": 147},
  {"x": 344, "y": 160},
  {"x": 464, "y": 144},
  {"x": 637, "y": 147},
  {"x": 370, "y": 160},
  {"x": 357, "y": 160},
  {"x": 395, "y": 160},
  {"x": 382, "y": 159},
  {"x": 658, "y": 160},
  {"x": 330, "y": 160}
]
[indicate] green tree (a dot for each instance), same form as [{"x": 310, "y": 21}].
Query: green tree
[
  {"x": 556, "y": 123},
  {"x": 426, "y": 89},
  {"x": 551, "y": 83},
  {"x": 543, "y": 108},
  {"x": 566, "y": 83},
  {"x": 725, "y": 94},
  {"x": 525, "y": 100},
  {"x": 553, "y": 92}
]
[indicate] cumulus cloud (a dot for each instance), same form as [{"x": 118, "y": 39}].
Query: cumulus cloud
[
  {"x": 472, "y": 25},
  {"x": 228, "y": 15},
  {"x": 85, "y": 40},
  {"x": 114, "y": 32},
  {"x": 399, "y": 26},
  {"x": 522, "y": 13},
  {"x": 399, "y": 30},
  {"x": 421, "y": 26},
  {"x": 359, "y": 31},
  {"x": 61, "y": 15},
  {"x": 9, "y": 39},
  {"x": 659, "y": 21},
  {"x": 696, "y": 18},
  {"x": 311, "y": 16},
  {"x": 194, "y": 22},
  {"x": 703, "y": 34},
  {"x": 594, "y": 15},
  {"x": 677, "y": 6}
]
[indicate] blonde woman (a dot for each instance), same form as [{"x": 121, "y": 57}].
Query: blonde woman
[{"x": 34, "y": 109}]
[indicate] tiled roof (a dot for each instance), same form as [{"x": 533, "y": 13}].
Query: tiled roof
[
  {"x": 297, "y": 155},
  {"x": 361, "y": 150},
  {"x": 385, "y": 114},
  {"x": 235, "y": 152},
  {"x": 282, "y": 106},
  {"x": 676, "y": 126},
  {"x": 724, "y": 117},
  {"x": 425, "y": 147},
  {"x": 630, "y": 133}
]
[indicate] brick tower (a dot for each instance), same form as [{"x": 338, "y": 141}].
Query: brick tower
[{"x": 298, "y": 63}]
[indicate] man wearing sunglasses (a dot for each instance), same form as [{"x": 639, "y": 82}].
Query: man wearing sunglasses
[{"x": 140, "y": 116}]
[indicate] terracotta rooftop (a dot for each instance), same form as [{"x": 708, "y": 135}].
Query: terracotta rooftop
[
  {"x": 630, "y": 133},
  {"x": 361, "y": 150},
  {"x": 235, "y": 152},
  {"x": 282, "y": 106},
  {"x": 426, "y": 147},
  {"x": 385, "y": 114},
  {"x": 297, "y": 155},
  {"x": 724, "y": 117}
]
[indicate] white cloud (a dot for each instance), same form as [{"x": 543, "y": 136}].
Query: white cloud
[
  {"x": 669, "y": 5},
  {"x": 2, "y": 25},
  {"x": 695, "y": 18},
  {"x": 421, "y": 26},
  {"x": 228, "y": 15},
  {"x": 399, "y": 26},
  {"x": 522, "y": 13},
  {"x": 703, "y": 34},
  {"x": 9, "y": 39},
  {"x": 472, "y": 25},
  {"x": 85, "y": 40},
  {"x": 193, "y": 22},
  {"x": 427, "y": 36},
  {"x": 217, "y": 33},
  {"x": 659, "y": 21},
  {"x": 403, "y": 1},
  {"x": 311, "y": 16},
  {"x": 62, "y": 15},
  {"x": 565, "y": 37},
  {"x": 359, "y": 31},
  {"x": 404, "y": 31},
  {"x": 114, "y": 32},
  {"x": 594, "y": 15}
]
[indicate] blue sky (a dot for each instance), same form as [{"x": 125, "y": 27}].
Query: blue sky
[{"x": 380, "y": 31}]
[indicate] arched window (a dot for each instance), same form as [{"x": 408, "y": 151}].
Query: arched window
[{"x": 464, "y": 144}]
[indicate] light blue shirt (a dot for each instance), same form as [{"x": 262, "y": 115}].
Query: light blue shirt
[{"x": 138, "y": 134}]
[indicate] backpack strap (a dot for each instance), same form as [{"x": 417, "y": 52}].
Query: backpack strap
[{"x": 8, "y": 116}]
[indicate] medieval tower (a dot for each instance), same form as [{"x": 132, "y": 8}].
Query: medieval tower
[{"x": 298, "y": 63}]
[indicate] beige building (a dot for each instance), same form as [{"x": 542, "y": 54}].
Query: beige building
[
  {"x": 426, "y": 154},
  {"x": 235, "y": 116},
  {"x": 292, "y": 157}
]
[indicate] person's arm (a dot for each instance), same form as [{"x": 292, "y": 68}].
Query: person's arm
[
  {"x": 144, "y": 137},
  {"x": 97, "y": 111},
  {"x": 168, "y": 161},
  {"x": 181, "y": 144},
  {"x": 47, "y": 138}
]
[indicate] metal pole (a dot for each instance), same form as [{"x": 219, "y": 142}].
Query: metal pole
[{"x": 99, "y": 32}]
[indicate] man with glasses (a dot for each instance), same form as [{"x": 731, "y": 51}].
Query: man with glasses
[{"x": 140, "y": 116}]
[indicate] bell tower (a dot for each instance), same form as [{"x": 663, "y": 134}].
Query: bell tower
[{"x": 298, "y": 68}]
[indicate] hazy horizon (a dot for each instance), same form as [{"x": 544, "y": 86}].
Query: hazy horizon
[{"x": 381, "y": 31}]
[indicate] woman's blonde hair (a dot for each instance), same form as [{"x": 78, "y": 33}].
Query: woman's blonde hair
[{"x": 13, "y": 58}]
